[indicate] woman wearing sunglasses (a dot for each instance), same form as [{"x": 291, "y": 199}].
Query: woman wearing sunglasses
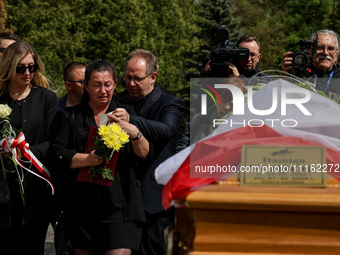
[{"x": 25, "y": 89}]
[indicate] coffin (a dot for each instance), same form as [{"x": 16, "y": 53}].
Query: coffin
[{"x": 225, "y": 218}]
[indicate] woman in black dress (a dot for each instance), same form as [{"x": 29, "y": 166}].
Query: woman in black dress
[
  {"x": 101, "y": 219},
  {"x": 24, "y": 88}
]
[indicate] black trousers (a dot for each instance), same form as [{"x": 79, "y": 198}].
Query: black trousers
[
  {"x": 23, "y": 240},
  {"x": 153, "y": 232}
]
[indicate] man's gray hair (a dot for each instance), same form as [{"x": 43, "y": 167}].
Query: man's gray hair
[{"x": 326, "y": 32}]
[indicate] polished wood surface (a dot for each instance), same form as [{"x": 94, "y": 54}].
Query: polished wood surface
[{"x": 225, "y": 218}]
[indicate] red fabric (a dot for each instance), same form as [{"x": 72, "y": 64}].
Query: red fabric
[
  {"x": 225, "y": 149},
  {"x": 84, "y": 175},
  {"x": 10, "y": 145}
]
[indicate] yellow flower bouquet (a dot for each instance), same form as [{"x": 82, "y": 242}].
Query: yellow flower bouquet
[{"x": 111, "y": 138}]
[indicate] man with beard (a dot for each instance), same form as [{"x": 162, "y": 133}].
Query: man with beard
[{"x": 323, "y": 71}]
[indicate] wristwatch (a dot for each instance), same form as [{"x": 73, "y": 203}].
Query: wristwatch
[{"x": 139, "y": 136}]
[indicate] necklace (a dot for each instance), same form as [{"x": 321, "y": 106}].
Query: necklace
[{"x": 19, "y": 94}]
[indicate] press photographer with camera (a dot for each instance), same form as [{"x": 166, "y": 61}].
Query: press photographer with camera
[
  {"x": 248, "y": 67},
  {"x": 222, "y": 61},
  {"x": 240, "y": 63},
  {"x": 319, "y": 62}
]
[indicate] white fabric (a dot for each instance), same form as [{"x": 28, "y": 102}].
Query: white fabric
[{"x": 322, "y": 126}]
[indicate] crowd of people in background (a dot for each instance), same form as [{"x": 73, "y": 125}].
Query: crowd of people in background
[{"x": 127, "y": 216}]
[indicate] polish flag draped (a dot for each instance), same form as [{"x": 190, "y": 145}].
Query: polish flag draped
[{"x": 291, "y": 119}]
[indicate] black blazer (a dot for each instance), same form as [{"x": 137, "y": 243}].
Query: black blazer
[
  {"x": 36, "y": 114},
  {"x": 159, "y": 120}
]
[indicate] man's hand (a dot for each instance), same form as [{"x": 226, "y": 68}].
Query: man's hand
[
  {"x": 287, "y": 62},
  {"x": 233, "y": 70},
  {"x": 121, "y": 113},
  {"x": 207, "y": 66},
  {"x": 129, "y": 128}
]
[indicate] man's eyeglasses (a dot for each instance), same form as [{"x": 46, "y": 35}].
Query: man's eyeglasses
[
  {"x": 2, "y": 50},
  {"x": 137, "y": 80},
  {"x": 330, "y": 49},
  {"x": 253, "y": 55},
  {"x": 80, "y": 81},
  {"x": 107, "y": 86},
  {"x": 21, "y": 69}
]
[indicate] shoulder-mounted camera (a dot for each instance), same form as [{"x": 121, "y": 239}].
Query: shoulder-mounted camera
[{"x": 225, "y": 52}]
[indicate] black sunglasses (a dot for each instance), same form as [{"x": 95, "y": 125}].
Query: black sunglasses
[
  {"x": 31, "y": 69},
  {"x": 2, "y": 50}
]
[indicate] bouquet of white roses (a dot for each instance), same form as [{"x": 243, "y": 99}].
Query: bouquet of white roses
[
  {"x": 112, "y": 138},
  {"x": 7, "y": 160},
  {"x": 13, "y": 146},
  {"x": 5, "y": 111},
  {"x": 7, "y": 132}
]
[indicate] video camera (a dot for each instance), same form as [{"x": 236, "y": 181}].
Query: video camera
[
  {"x": 303, "y": 59},
  {"x": 225, "y": 52}
]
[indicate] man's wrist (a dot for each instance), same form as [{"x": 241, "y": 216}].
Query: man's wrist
[{"x": 137, "y": 137}]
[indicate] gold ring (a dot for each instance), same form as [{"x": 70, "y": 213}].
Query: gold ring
[{"x": 95, "y": 159}]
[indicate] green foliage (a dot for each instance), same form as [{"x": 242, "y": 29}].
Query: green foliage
[
  {"x": 179, "y": 32},
  {"x": 213, "y": 14},
  {"x": 277, "y": 23},
  {"x": 310, "y": 87},
  {"x": 84, "y": 30},
  {"x": 332, "y": 21},
  {"x": 210, "y": 15},
  {"x": 47, "y": 26},
  {"x": 102, "y": 150}
]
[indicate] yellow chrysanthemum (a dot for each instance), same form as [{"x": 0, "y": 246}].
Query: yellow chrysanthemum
[
  {"x": 103, "y": 130},
  {"x": 113, "y": 136},
  {"x": 124, "y": 137},
  {"x": 116, "y": 129}
]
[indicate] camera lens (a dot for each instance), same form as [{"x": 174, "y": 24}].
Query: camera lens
[{"x": 300, "y": 60}]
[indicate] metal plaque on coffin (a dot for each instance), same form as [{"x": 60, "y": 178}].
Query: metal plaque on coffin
[{"x": 296, "y": 166}]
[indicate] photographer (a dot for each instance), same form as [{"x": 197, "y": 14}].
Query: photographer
[
  {"x": 322, "y": 69},
  {"x": 248, "y": 67},
  {"x": 243, "y": 67}
]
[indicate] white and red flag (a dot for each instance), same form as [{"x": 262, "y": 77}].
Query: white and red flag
[{"x": 290, "y": 117}]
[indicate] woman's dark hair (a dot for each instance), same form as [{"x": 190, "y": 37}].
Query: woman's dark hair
[{"x": 99, "y": 65}]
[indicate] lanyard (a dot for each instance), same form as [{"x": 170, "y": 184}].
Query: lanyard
[{"x": 328, "y": 82}]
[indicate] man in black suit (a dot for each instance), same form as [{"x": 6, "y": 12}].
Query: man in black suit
[{"x": 159, "y": 115}]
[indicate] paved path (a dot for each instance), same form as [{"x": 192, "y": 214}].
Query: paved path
[{"x": 49, "y": 245}]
